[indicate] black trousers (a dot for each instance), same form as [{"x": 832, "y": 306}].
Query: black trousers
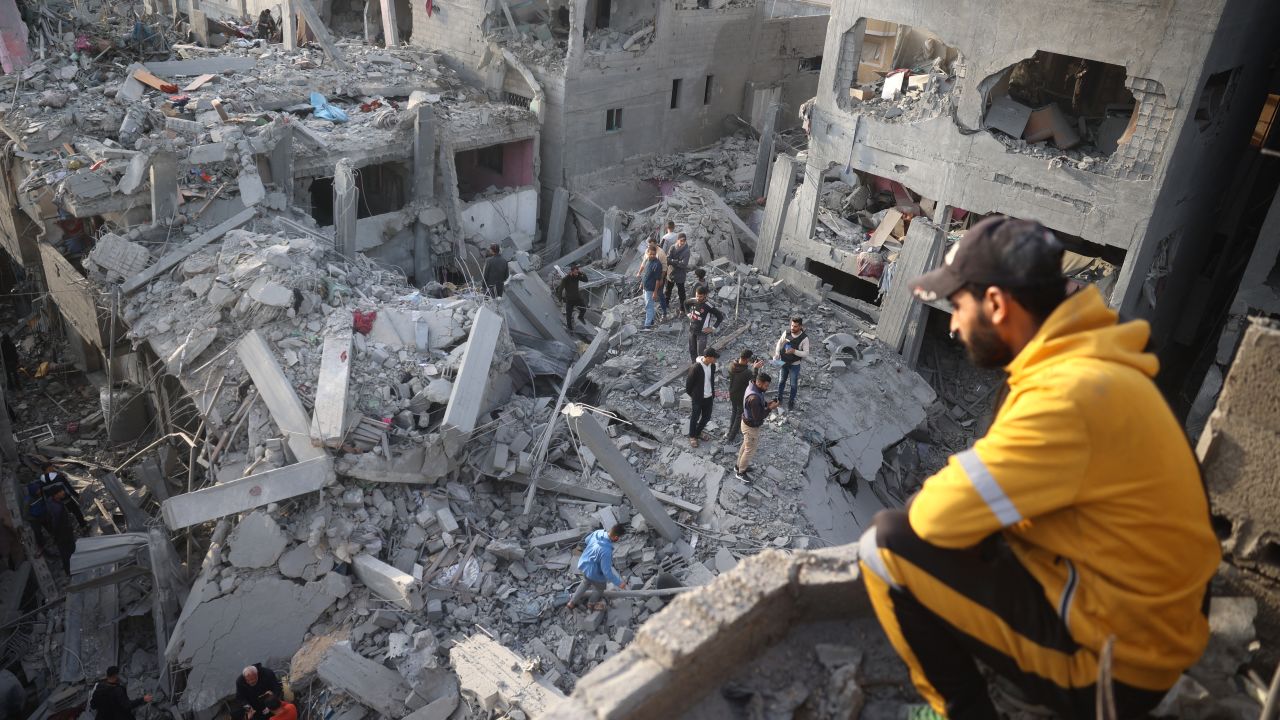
[
  {"x": 735, "y": 422},
  {"x": 699, "y": 416},
  {"x": 568, "y": 313},
  {"x": 679, "y": 286},
  {"x": 920, "y": 593}
]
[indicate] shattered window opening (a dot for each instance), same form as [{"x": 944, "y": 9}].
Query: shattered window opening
[
  {"x": 1216, "y": 97},
  {"x": 811, "y": 64},
  {"x": 894, "y": 72},
  {"x": 675, "y": 94}
]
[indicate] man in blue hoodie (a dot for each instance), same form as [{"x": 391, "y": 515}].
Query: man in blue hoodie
[{"x": 596, "y": 565}]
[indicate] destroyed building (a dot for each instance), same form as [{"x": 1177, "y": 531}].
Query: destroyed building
[
  {"x": 615, "y": 81},
  {"x": 1095, "y": 124}
]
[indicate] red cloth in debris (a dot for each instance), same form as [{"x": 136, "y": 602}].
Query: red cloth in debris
[{"x": 362, "y": 322}]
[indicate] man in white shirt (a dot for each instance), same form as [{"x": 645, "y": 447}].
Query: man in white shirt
[
  {"x": 669, "y": 239},
  {"x": 700, "y": 386}
]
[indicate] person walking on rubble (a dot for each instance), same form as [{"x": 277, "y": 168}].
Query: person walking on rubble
[
  {"x": 569, "y": 291},
  {"x": 110, "y": 698},
  {"x": 650, "y": 275},
  {"x": 495, "y": 273},
  {"x": 256, "y": 687},
  {"x": 755, "y": 409},
  {"x": 677, "y": 269},
  {"x": 741, "y": 372},
  {"x": 59, "y": 525},
  {"x": 9, "y": 354},
  {"x": 52, "y": 479},
  {"x": 596, "y": 565},
  {"x": 700, "y": 386},
  {"x": 701, "y": 325},
  {"x": 669, "y": 238},
  {"x": 792, "y": 348},
  {"x": 1078, "y": 520}
]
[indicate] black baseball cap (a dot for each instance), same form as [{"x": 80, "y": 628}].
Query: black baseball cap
[{"x": 1000, "y": 251}]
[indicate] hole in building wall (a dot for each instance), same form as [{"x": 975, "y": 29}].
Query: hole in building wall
[
  {"x": 1268, "y": 554},
  {"x": 1064, "y": 101},
  {"x": 842, "y": 282},
  {"x": 873, "y": 51},
  {"x": 614, "y": 26},
  {"x": 383, "y": 189},
  {"x": 1215, "y": 97},
  {"x": 494, "y": 167}
]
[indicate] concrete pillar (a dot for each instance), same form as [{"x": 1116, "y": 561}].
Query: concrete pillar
[
  {"x": 611, "y": 237},
  {"x": 282, "y": 162},
  {"x": 624, "y": 476},
  {"x": 473, "y": 374},
  {"x": 424, "y": 153},
  {"x": 804, "y": 211},
  {"x": 924, "y": 243},
  {"x": 555, "y": 223},
  {"x": 1127, "y": 296},
  {"x": 390, "y": 29},
  {"x": 346, "y": 199},
  {"x": 289, "y": 25},
  {"x": 760, "y": 182},
  {"x": 782, "y": 189},
  {"x": 577, "y": 43},
  {"x": 164, "y": 187},
  {"x": 424, "y": 265}
]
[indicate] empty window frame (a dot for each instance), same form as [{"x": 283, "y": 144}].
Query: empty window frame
[
  {"x": 613, "y": 120},
  {"x": 706, "y": 89},
  {"x": 812, "y": 64},
  {"x": 675, "y": 93}
]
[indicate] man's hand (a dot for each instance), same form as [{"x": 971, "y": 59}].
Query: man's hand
[
  {"x": 758, "y": 364},
  {"x": 773, "y": 404},
  {"x": 623, "y": 586},
  {"x": 146, "y": 698},
  {"x": 708, "y": 331}
]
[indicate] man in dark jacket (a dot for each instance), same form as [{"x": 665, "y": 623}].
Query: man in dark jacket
[
  {"x": 701, "y": 325},
  {"x": 677, "y": 267},
  {"x": 52, "y": 479},
  {"x": 9, "y": 352},
  {"x": 255, "y": 687},
  {"x": 59, "y": 525},
  {"x": 700, "y": 386},
  {"x": 755, "y": 408},
  {"x": 110, "y": 698},
  {"x": 651, "y": 283},
  {"x": 741, "y": 372},
  {"x": 569, "y": 292},
  {"x": 495, "y": 272}
]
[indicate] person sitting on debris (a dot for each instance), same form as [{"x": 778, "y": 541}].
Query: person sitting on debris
[
  {"x": 651, "y": 283},
  {"x": 1078, "y": 520},
  {"x": 596, "y": 564},
  {"x": 281, "y": 710},
  {"x": 792, "y": 348},
  {"x": 496, "y": 271},
  {"x": 256, "y": 686},
  {"x": 568, "y": 291},
  {"x": 701, "y": 314},
  {"x": 669, "y": 239},
  {"x": 700, "y": 386},
  {"x": 51, "y": 479},
  {"x": 677, "y": 269},
  {"x": 59, "y": 525},
  {"x": 9, "y": 353},
  {"x": 755, "y": 409},
  {"x": 110, "y": 698},
  {"x": 741, "y": 372}
]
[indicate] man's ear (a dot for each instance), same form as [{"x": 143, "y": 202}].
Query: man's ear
[{"x": 996, "y": 303}]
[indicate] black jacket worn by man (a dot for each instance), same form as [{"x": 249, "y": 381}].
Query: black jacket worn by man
[
  {"x": 112, "y": 702},
  {"x": 253, "y": 695},
  {"x": 568, "y": 289},
  {"x": 695, "y": 382},
  {"x": 495, "y": 274},
  {"x": 740, "y": 375}
]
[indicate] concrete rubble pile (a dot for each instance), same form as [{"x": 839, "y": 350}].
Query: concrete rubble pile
[
  {"x": 909, "y": 96},
  {"x": 700, "y": 214},
  {"x": 728, "y": 165}
]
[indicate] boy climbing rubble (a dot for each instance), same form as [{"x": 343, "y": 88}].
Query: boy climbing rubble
[{"x": 596, "y": 565}]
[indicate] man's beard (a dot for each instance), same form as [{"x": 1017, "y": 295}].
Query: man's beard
[{"x": 985, "y": 348}]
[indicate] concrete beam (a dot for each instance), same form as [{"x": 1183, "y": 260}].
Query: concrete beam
[
  {"x": 329, "y": 418},
  {"x": 135, "y": 518},
  {"x": 385, "y": 581},
  {"x": 473, "y": 374},
  {"x": 591, "y": 355},
  {"x": 921, "y": 245},
  {"x": 764, "y": 153},
  {"x": 390, "y": 28},
  {"x": 576, "y": 255},
  {"x": 424, "y": 153},
  {"x": 495, "y": 677},
  {"x": 289, "y": 25},
  {"x": 556, "y": 221},
  {"x": 278, "y": 394},
  {"x": 247, "y": 493},
  {"x": 346, "y": 204},
  {"x": 781, "y": 192},
  {"x": 164, "y": 187},
  {"x": 371, "y": 683},
  {"x": 282, "y": 161},
  {"x": 167, "y": 262},
  {"x": 624, "y": 476},
  {"x": 312, "y": 19},
  {"x": 534, "y": 300}
]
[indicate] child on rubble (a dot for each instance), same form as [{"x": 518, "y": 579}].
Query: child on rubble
[{"x": 596, "y": 565}]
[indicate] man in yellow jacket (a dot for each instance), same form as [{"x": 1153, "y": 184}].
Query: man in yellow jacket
[{"x": 1080, "y": 516}]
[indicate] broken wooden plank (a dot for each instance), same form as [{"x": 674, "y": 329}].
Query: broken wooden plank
[
  {"x": 146, "y": 77},
  {"x": 247, "y": 493},
  {"x": 198, "y": 82},
  {"x": 167, "y": 262},
  {"x": 328, "y": 420},
  {"x": 720, "y": 343},
  {"x": 278, "y": 394}
]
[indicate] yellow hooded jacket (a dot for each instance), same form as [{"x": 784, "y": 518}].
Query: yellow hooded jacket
[{"x": 1095, "y": 487}]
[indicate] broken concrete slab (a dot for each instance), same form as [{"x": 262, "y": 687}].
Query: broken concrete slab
[
  {"x": 329, "y": 417},
  {"x": 167, "y": 262},
  {"x": 278, "y": 394},
  {"x": 257, "y": 541},
  {"x": 247, "y": 493},
  {"x": 372, "y": 684},
  {"x": 203, "y": 66},
  {"x": 385, "y": 581},
  {"x": 534, "y": 300},
  {"x": 623, "y": 474},
  {"x": 252, "y": 191},
  {"x": 134, "y": 174},
  {"x": 473, "y": 375},
  {"x": 496, "y": 678},
  {"x": 116, "y": 255}
]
